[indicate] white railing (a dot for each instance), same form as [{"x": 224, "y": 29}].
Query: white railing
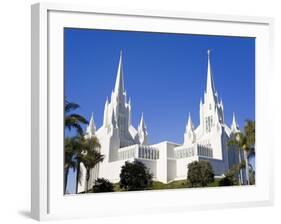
[
  {"x": 194, "y": 150},
  {"x": 148, "y": 152},
  {"x": 204, "y": 150},
  {"x": 184, "y": 152},
  {"x": 138, "y": 151},
  {"x": 127, "y": 152}
]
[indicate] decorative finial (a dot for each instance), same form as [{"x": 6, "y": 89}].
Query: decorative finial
[
  {"x": 91, "y": 129},
  {"x": 189, "y": 125},
  {"x": 208, "y": 52},
  {"x": 142, "y": 124},
  {"x": 234, "y": 125},
  {"x": 119, "y": 83}
]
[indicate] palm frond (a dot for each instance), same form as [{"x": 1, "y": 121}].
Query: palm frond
[
  {"x": 72, "y": 123},
  {"x": 79, "y": 118},
  {"x": 70, "y": 106},
  {"x": 73, "y": 120},
  {"x": 249, "y": 130}
]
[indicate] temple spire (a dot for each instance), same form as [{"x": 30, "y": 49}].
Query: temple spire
[
  {"x": 91, "y": 129},
  {"x": 189, "y": 125},
  {"x": 142, "y": 131},
  {"x": 129, "y": 102},
  {"x": 234, "y": 125},
  {"x": 210, "y": 88},
  {"x": 105, "y": 113},
  {"x": 189, "y": 135},
  {"x": 119, "y": 84},
  {"x": 142, "y": 124}
]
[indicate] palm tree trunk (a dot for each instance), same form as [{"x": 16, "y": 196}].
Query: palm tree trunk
[
  {"x": 87, "y": 180},
  {"x": 240, "y": 171},
  {"x": 77, "y": 176},
  {"x": 66, "y": 170},
  {"x": 247, "y": 166}
]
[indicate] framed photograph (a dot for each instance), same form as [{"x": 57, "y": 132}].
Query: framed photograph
[{"x": 148, "y": 111}]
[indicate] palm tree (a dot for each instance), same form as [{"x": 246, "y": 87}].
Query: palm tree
[
  {"x": 92, "y": 156},
  {"x": 235, "y": 142},
  {"x": 78, "y": 149},
  {"x": 72, "y": 145},
  {"x": 89, "y": 156},
  {"x": 73, "y": 120},
  {"x": 250, "y": 132},
  {"x": 69, "y": 162},
  {"x": 80, "y": 153},
  {"x": 246, "y": 142},
  {"x": 249, "y": 146}
]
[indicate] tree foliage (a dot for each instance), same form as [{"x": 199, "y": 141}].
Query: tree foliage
[
  {"x": 70, "y": 149},
  {"x": 245, "y": 141},
  {"x": 226, "y": 181},
  {"x": 87, "y": 154},
  {"x": 200, "y": 173},
  {"x": 90, "y": 156},
  {"x": 102, "y": 185},
  {"x": 135, "y": 176},
  {"x": 79, "y": 149},
  {"x": 73, "y": 120},
  {"x": 230, "y": 178},
  {"x": 250, "y": 132}
]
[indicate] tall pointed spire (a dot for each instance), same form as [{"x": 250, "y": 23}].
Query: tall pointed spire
[
  {"x": 105, "y": 112},
  {"x": 189, "y": 135},
  {"x": 142, "y": 131},
  {"x": 210, "y": 88},
  {"x": 234, "y": 125},
  {"x": 189, "y": 125},
  {"x": 142, "y": 125},
  {"x": 91, "y": 129},
  {"x": 119, "y": 84}
]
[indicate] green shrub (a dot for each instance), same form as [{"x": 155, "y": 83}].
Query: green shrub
[
  {"x": 102, "y": 185},
  {"x": 200, "y": 173},
  {"x": 135, "y": 176},
  {"x": 226, "y": 181}
]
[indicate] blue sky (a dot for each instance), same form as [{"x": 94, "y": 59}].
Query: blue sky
[{"x": 165, "y": 76}]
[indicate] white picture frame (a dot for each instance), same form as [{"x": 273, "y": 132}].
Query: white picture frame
[{"x": 47, "y": 199}]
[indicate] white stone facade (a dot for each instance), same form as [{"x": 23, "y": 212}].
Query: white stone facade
[{"x": 167, "y": 161}]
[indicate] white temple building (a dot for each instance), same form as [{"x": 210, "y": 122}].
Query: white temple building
[{"x": 167, "y": 161}]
